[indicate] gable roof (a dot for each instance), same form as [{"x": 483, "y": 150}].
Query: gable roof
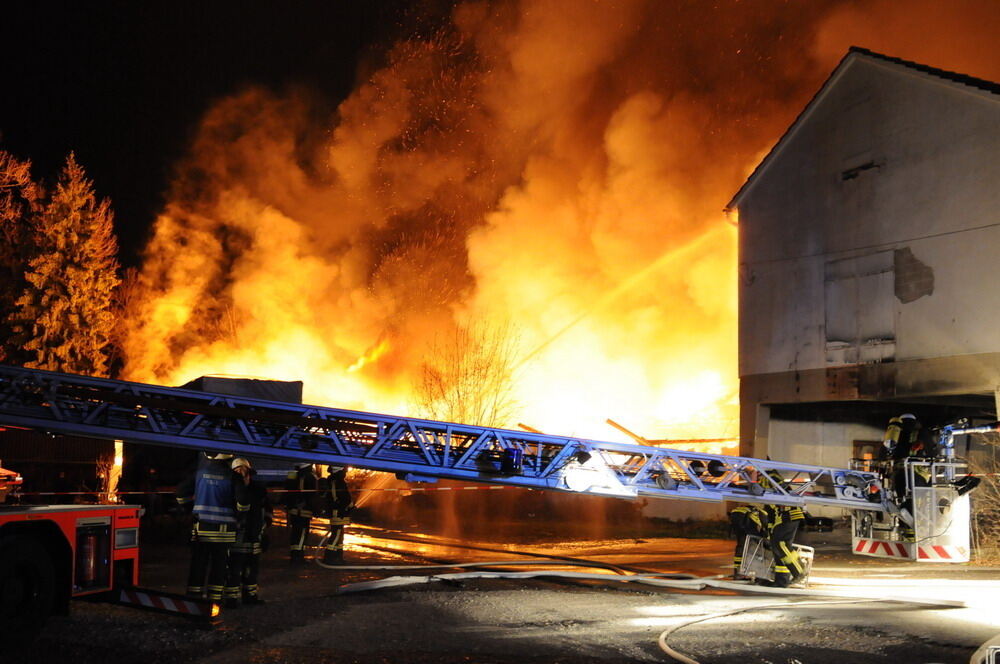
[
  {"x": 964, "y": 79},
  {"x": 854, "y": 53}
]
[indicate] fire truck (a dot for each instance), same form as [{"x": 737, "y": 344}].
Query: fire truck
[{"x": 50, "y": 554}]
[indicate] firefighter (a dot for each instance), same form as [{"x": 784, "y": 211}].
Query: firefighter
[
  {"x": 339, "y": 506},
  {"x": 745, "y": 520},
  {"x": 905, "y": 438},
  {"x": 900, "y": 435},
  {"x": 301, "y": 499},
  {"x": 782, "y": 524},
  {"x": 244, "y": 556},
  {"x": 218, "y": 503}
]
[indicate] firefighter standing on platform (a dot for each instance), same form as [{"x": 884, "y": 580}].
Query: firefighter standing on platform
[
  {"x": 218, "y": 503},
  {"x": 244, "y": 556},
  {"x": 905, "y": 439},
  {"x": 339, "y": 506},
  {"x": 301, "y": 501}
]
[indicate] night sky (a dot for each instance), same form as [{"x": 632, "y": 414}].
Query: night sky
[{"x": 123, "y": 84}]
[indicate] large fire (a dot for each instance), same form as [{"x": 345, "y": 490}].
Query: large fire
[{"x": 524, "y": 206}]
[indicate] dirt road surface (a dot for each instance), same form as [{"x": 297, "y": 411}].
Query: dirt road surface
[{"x": 307, "y": 621}]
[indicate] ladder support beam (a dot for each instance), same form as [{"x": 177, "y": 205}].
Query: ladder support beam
[{"x": 177, "y": 417}]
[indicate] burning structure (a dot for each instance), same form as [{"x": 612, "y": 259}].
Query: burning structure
[
  {"x": 867, "y": 249},
  {"x": 517, "y": 210}
]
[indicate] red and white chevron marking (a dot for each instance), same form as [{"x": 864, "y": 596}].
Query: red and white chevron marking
[
  {"x": 945, "y": 553},
  {"x": 882, "y": 549},
  {"x": 174, "y": 605}
]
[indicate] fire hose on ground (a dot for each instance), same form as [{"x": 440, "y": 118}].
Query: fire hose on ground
[{"x": 686, "y": 582}]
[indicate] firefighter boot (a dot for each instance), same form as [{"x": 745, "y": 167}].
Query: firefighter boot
[
  {"x": 782, "y": 580},
  {"x": 333, "y": 557},
  {"x": 298, "y": 557}
]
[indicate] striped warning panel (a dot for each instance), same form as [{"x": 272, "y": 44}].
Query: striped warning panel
[
  {"x": 943, "y": 553},
  {"x": 166, "y": 602},
  {"x": 882, "y": 549}
]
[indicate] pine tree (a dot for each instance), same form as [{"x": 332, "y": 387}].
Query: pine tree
[
  {"x": 65, "y": 317},
  {"x": 18, "y": 202}
]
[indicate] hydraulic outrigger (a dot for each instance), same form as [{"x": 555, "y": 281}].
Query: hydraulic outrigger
[{"x": 422, "y": 450}]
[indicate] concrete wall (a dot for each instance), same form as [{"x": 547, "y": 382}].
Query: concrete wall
[
  {"x": 819, "y": 444},
  {"x": 923, "y": 182},
  {"x": 869, "y": 244}
]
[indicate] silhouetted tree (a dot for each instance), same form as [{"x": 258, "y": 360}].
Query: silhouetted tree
[
  {"x": 18, "y": 203},
  {"x": 124, "y": 307},
  {"x": 65, "y": 319},
  {"x": 467, "y": 378},
  {"x": 986, "y": 501}
]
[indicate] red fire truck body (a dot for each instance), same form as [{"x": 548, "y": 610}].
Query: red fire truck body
[
  {"x": 52, "y": 553},
  {"x": 97, "y": 543}
]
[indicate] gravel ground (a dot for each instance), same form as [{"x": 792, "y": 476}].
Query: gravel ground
[{"x": 504, "y": 621}]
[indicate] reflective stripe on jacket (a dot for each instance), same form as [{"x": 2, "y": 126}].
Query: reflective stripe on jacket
[{"x": 219, "y": 498}]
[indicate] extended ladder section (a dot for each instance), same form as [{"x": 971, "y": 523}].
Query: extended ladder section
[{"x": 414, "y": 449}]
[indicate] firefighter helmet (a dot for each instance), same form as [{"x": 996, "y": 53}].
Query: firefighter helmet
[{"x": 240, "y": 462}]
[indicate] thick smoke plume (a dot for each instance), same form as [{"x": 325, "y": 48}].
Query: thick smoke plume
[{"x": 552, "y": 167}]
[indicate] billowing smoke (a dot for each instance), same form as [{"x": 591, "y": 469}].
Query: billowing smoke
[{"x": 552, "y": 169}]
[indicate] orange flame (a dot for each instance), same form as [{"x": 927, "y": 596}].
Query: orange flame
[
  {"x": 527, "y": 165},
  {"x": 371, "y": 356}
]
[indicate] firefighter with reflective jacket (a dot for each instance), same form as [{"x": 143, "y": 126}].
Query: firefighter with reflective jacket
[
  {"x": 905, "y": 439},
  {"x": 218, "y": 501},
  {"x": 301, "y": 503},
  {"x": 338, "y": 507},
  {"x": 745, "y": 520},
  {"x": 783, "y": 524},
  {"x": 244, "y": 556}
]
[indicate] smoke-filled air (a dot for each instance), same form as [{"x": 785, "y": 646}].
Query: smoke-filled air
[{"x": 515, "y": 217}]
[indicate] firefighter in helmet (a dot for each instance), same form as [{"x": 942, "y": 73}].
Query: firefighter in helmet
[
  {"x": 244, "y": 556},
  {"x": 301, "y": 503},
  {"x": 901, "y": 435},
  {"x": 338, "y": 507},
  {"x": 783, "y": 523},
  {"x": 218, "y": 503},
  {"x": 905, "y": 439}
]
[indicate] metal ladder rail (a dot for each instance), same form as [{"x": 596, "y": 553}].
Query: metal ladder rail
[{"x": 415, "y": 448}]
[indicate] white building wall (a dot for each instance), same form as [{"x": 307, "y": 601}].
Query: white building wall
[
  {"x": 963, "y": 315},
  {"x": 927, "y": 180},
  {"x": 818, "y": 444}
]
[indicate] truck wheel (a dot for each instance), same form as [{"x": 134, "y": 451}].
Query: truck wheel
[{"x": 27, "y": 589}]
